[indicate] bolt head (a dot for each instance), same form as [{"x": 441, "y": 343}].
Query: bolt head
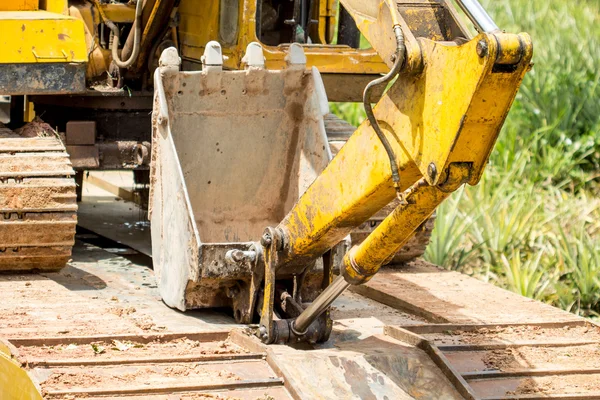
[
  {"x": 262, "y": 334},
  {"x": 432, "y": 171},
  {"x": 237, "y": 255},
  {"x": 482, "y": 48},
  {"x": 266, "y": 240}
]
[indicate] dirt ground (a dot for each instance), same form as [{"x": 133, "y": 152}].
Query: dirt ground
[
  {"x": 35, "y": 128},
  {"x": 120, "y": 349},
  {"x": 557, "y": 384},
  {"x": 572, "y": 357},
  {"x": 516, "y": 334},
  {"x": 194, "y": 371}
]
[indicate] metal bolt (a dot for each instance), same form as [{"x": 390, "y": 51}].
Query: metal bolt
[
  {"x": 262, "y": 333},
  {"x": 393, "y": 58},
  {"x": 432, "y": 171},
  {"x": 266, "y": 239},
  {"x": 482, "y": 48},
  {"x": 240, "y": 256}
]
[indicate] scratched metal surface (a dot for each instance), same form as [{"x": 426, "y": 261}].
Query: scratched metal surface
[{"x": 42, "y": 78}]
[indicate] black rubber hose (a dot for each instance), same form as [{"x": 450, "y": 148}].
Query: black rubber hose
[{"x": 398, "y": 63}]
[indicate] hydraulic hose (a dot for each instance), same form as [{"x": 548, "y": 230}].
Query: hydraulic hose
[
  {"x": 137, "y": 26},
  {"x": 398, "y": 62}
]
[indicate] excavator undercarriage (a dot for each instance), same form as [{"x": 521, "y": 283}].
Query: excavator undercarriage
[{"x": 37, "y": 199}]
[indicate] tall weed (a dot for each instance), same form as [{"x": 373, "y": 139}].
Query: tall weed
[{"x": 532, "y": 225}]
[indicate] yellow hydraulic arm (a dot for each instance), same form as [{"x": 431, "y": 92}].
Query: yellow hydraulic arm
[{"x": 430, "y": 133}]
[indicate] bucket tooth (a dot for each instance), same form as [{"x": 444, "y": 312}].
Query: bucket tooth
[
  {"x": 254, "y": 57},
  {"x": 213, "y": 56},
  {"x": 295, "y": 57}
]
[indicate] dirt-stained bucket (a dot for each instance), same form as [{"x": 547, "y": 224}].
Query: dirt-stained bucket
[{"x": 232, "y": 152}]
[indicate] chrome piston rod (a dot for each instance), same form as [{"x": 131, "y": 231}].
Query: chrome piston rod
[
  {"x": 317, "y": 307},
  {"x": 477, "y": 14}
]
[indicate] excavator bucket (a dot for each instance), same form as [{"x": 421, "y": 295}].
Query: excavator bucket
[{"x": 232, "y": 152}]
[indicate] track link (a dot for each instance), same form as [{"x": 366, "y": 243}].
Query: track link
[
  {"x": 38, "y": 207},
  {"x": 546, "y": 360},
  {"x": 164, "y": 366}
]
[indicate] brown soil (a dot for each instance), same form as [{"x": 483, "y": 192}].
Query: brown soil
[
  {"x": 72, "y": 379},
  {"x": 36, "y": 128},
  {"x": 146, "y": 323},
  {"x": 150, "y": 373},
  {"x": 120, "y": 311},
  {"x": 573, "y": 357},
  {"x": 177, "y": 347},
  {"x": 36, "y": 316},
  {"x": 516, "y": 334},
  {"x": 558, "y": 384},
  {"x": 208, "y": 396}
]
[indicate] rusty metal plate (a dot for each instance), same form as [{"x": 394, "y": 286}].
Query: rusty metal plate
[
  {"x": 42, "y": 78},
  {"x": 520, "y": 361}
]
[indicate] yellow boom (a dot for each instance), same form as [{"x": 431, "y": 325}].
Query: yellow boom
[{"x": 437, "y": 124}]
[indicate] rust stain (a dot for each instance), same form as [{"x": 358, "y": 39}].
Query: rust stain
[
  {"x": 23, "y": 28},
  {"x": 356, "y": 377},
  {"x": 63, "y": 36}
]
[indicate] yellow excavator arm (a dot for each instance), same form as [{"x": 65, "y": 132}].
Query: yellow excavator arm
[{"x": 431, "y": 132}]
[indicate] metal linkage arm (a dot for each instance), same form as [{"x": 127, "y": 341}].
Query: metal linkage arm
[{"x": 362, "y": 262}]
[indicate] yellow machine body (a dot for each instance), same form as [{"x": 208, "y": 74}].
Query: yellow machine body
[
  {"x": 328, "y": 58},
  {"x": 15, "y": 383},
  {"x": 448, "y": 114},
  {"x": 43, "y": 48},
  {"x": 41, "y": 37}
]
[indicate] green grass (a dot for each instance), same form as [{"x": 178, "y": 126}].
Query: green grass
[{"x": 532, "y": 225}]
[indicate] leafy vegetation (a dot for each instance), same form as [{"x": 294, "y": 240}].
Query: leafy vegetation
[{"x": 533, "y": 222}]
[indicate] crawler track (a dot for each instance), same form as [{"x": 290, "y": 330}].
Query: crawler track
[
  {"x": 186, "y": 365},
  {"x": 97, "y": 329},
  {"x": 513, "y": 361},
  {"x": 38, "y": 208}
]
